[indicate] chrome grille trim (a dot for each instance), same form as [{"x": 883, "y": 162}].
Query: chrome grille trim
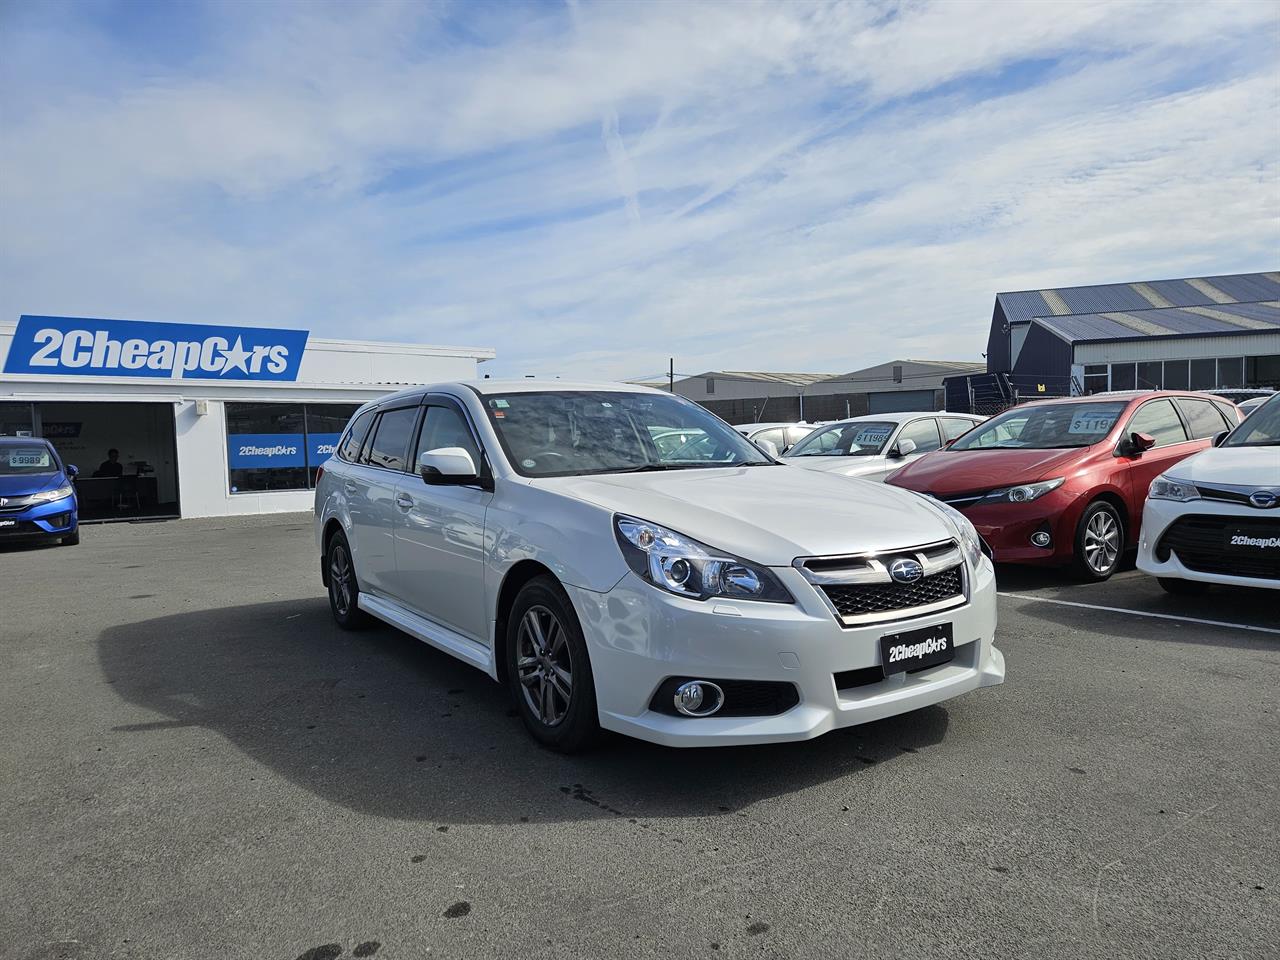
[{"x": 872, "y": 567}]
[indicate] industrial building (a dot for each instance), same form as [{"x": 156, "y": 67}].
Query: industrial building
[
  {"x": 741, "y": 396},
  {"x": 205, "y": 420},
  {"x": 1200, "y": 333}
]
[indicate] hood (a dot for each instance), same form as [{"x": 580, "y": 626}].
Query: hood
[
  {"x": 23, "y": 484},
  {"x": 767, "y": 514},
  {"x": 946, "y": 472},
  {"x": 842, "y": 466},
  {"x": 1231, "y": 466}
]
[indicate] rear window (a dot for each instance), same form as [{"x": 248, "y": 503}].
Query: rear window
[
  {"x": 354, "y": 440},
  {"x": 1203, "y": 417}
]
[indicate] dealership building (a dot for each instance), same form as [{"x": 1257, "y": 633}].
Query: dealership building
[{"x": 206, "y": 420}]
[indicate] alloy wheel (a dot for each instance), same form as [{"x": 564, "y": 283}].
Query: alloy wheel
[
  {"x": 1101, "y": 542},
  {"x": 544, "y": 665},
  {"x": 340, "y": 578}
]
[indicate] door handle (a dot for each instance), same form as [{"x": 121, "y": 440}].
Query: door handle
[
  {"x": 350, "y": 487},
  {"x": 404, "y": 501}
]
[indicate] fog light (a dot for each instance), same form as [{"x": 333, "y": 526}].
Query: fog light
[
  {"x": 698, "y": 698},
  {"x": 1041, "y": 538}
]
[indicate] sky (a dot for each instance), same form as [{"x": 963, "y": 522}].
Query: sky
[{"x": 592, "y": 188}]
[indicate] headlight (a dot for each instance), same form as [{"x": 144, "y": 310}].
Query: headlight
[
  {"x": 687, "y": 568},
  {"x": 48, "y": 496},
  {"x": 1168, "y": 488},
  {"x": 1023, "y": 493},
  {"x": 969, "y": 539}
]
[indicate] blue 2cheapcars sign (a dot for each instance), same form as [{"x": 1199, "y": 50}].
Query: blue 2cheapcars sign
[{"x": 71, "y": 346}]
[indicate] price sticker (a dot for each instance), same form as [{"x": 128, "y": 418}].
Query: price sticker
[{"x": 1091, "y": 423}]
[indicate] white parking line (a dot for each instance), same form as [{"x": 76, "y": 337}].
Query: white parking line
[{"x": 1141, "y": 613}]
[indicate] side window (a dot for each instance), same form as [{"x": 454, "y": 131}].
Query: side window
[
  {"x": 390, "y": 442},
  {"x": 354, "y": 439},
  {"x": 796, "y": 434},
  {"x": 923, "y": 432},
  {"x": 1230, "y": 412},
  {"x": 954, "y": 427},
  {"x": 1160, "y": 420},
  {"x": 776, "y": 437},
  {"x": 1203, "y": 417},
  {"x": 443, "y": 426}
]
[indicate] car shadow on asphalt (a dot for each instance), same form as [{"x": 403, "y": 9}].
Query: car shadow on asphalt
[{"x": 385, "y": 725}]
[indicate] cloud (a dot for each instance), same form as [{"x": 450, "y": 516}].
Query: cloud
[{"x": 594, "y": 188}]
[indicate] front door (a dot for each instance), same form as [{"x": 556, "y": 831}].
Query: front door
[
  {"x": 1158, "y": 419},
  {"x": 440, "y": 532}
]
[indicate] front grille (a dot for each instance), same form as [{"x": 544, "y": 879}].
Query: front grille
[
  {"x": 863, "y": 599},
  {"x": 15, "y": 504},
  {"x": 1223, "y": 494},
  {"x": 1201, "y": 544}
]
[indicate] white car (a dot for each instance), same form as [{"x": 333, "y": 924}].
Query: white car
[
  {"x": 875, "y": 446},
  {"x": 1215, "y": 517},
  {"x": 783, "y": 436},
  {"x": 539, "y": 534}
]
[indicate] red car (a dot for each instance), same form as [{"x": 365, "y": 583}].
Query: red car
[{"x": 1064, "y": 481}]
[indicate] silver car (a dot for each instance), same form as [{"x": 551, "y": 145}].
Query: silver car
[
  {"x": 875, "y": 446},
  {"x": 783, "y": 436}
]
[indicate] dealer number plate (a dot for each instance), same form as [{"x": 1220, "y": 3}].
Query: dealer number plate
[{"x": 917, "y": 649}]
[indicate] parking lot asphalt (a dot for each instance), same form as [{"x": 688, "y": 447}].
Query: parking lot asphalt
[{"x": 199, "y": 764}]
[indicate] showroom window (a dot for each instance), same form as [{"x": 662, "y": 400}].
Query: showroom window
[
  {"x": 1095, "y": 378},
  {"x": 277, "y": 446}
]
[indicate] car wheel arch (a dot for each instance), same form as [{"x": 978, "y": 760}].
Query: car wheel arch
[
  {"x": 520, "y": 573},
  {"x": 333, "y": 526},
  {"x": 1113, "y": 498}
]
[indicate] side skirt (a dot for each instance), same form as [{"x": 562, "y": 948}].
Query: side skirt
[{"x": 440, "y": 637}]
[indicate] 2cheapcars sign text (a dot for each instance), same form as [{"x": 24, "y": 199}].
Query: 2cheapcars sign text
[{"x": 71, "y": 346}]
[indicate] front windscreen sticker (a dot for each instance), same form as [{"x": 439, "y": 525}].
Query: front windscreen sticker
[
  {"x": 1095, "y": 423},
  {"x": 29, "y": 458},
  {"x": 528, "y": 464},
  {"x": 872, "y": 436}
]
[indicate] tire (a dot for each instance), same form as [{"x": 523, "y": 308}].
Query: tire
[
  {"x": 344, "y": 588},
  {"x": 1183, "y": 588},
  {"x": 1099, "y": 543},
  {"x": 546, "y": 656},
  {"x": 71, "y": 539}
]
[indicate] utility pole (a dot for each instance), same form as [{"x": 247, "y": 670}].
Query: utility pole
[{"x": 671, "y": 374}]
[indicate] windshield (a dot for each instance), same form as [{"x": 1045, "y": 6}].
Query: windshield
[
  {"x": 1260, "y": 429},
  {"x": 1044, "y": 427},
  {"x": 27, "y": 458},
  {"x": 571, "y": 433},
  {"x": 864, "y": 438}
]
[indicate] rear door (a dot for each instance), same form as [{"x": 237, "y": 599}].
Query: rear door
[
  {"x": 439, "y": 530},
  {"x": 370, "y": 487}
]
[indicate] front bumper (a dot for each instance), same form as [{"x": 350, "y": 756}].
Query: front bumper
[
  {"x": 57, "y": 518},
  {"x": 1159, "y": 515},
  {"x": 1007, "y": 528},
  {"x": 638, "y": 636}
]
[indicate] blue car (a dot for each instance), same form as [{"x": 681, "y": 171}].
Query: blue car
[{"x": 37, "y": 497}]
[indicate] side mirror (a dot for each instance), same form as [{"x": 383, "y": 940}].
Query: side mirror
[
  {"x": 447, "y": 465},
  {"x": 1219, "y": 437},
  {"x": 769, "y": 447},
  {"x": 904, "y": 448},
  {"x": 1138, "y": 443},
  {"x": 73, "y": 471}
]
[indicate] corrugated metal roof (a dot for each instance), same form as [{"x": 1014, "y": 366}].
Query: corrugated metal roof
[
  {"x": 1167, "y": 322},
  {"x": 1025, "y": 305},
  {"x": 795, "y": 379}
]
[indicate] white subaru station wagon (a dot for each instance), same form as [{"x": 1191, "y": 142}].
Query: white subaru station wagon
[{"x": 537, "y": 532}]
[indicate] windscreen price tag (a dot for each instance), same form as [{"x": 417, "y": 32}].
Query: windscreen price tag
[
  {"x": 28, "y": 458},
  {"x": 871, "y": 436},
  {"x": 1091, "y": 423}
]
